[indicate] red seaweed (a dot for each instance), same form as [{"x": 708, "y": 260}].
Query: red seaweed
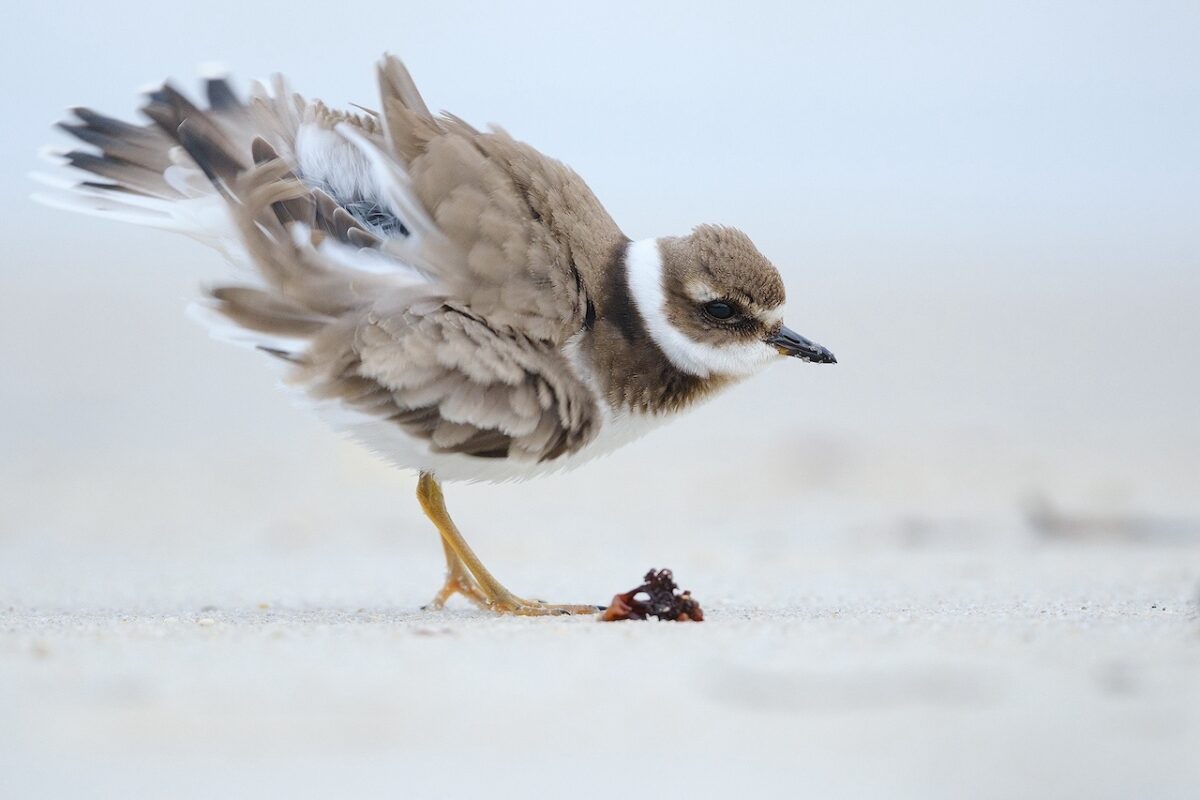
[{"x": 658, "y": 597}]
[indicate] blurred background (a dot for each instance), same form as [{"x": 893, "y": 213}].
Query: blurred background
[{"x": 987, "y": 211}]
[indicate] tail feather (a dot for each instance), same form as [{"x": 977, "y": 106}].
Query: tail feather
[
  {"x": 233, "y": 176},
  {"x": 145, "y": 152},
  {"x": 266, "y": 312},
  {"x": 211, "y": 152},
  {"x": 131, "y": 175},
  {"x": 221, "y": 326},
  {"x": 221, "y": 96},
  {"x": 117, "y": 129}
]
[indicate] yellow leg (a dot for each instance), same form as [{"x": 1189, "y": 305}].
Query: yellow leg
[
  {"x": 467, "y": 574},
  {"x": 458, "y": 581}
]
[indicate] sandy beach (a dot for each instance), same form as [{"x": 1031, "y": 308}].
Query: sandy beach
[{"x": 843, "y": 658}]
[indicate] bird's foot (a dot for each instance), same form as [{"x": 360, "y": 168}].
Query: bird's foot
[
  {"x": 508, "y": 603},
  {"x": 465, "y": 573},
  {"x": 457, "y": 583}
]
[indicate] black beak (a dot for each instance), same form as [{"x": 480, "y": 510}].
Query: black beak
[{"x": 790, "y": 343}]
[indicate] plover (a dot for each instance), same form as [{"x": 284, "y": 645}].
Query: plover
[{"x": 452, "y": 298}]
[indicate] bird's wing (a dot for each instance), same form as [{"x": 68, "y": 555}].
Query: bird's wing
[
  {"x": 353, "y": 278},
  {"x": 168, "y": 174},
  {"x": 451, "y": 380},
  {"x": 525, "y": 241},
  {"x": 513, "y": 235},
  {"x": 384, "y": 353}
]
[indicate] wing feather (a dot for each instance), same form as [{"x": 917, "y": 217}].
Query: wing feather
[{"x": 411, "y": 269}]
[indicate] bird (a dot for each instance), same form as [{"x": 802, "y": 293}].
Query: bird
[{"x": 449, "y": 297}]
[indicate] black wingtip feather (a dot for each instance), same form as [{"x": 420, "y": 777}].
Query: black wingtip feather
[
  {"x": 220, "y": 95},
  {"x": 282, "y": 354},
  {"x": 87, "y": 134},
  {"x": 169, "y": 108},
  {"x": 109, "y": 187},
  {"x": 89, "y": 162},
  {"x": 108, "y": 126},
  {"x": 210, "y": 156}
]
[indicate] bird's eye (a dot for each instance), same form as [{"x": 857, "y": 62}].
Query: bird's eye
[{"x": 718, "y": 309}]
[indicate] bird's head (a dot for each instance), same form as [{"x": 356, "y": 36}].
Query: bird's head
[{"x": 714, "y": 304}]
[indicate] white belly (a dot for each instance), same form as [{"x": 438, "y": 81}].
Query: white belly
[{"x": 391, "y": 442}]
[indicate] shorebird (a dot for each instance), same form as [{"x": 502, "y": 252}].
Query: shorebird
[{"x": 452, "y": 298}]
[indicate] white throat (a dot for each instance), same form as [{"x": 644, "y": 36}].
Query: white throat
[{"x": 644, "y": 268}]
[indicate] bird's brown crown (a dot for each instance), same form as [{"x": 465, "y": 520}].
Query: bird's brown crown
[{"x": 718, "y": 269}]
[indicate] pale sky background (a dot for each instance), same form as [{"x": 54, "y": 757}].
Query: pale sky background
[{"x": 988, "y": 212}]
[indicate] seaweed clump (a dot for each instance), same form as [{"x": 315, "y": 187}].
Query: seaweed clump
[{"x": 658, "y": 597}]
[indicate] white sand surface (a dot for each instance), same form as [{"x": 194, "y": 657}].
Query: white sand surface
[{"x": 839, "y": 659}]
